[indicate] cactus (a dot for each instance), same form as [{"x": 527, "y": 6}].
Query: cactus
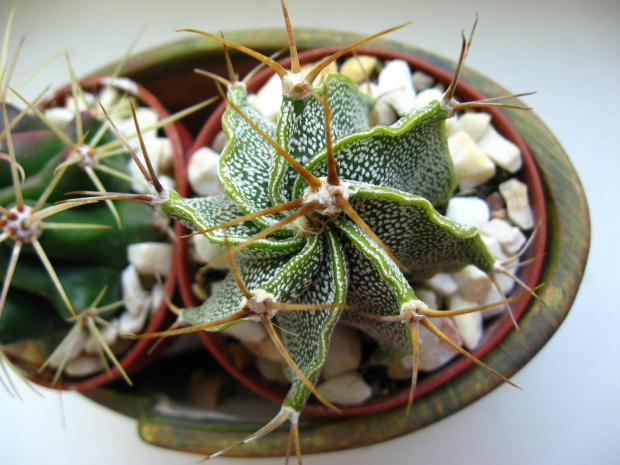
[
  {"x": 61, "y": 266},
  {"x": 329, "y": 221}
]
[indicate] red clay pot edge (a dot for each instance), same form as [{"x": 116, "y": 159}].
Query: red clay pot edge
[
  {"x": 493, "y": 333},
  {"x": 138, "y": 356}
]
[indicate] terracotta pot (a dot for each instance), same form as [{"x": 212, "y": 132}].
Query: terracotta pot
[
  {"x": 554, "y": 189},
  {"x": 139, "y": 355}
]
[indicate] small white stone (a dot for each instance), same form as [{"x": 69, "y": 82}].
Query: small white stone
[
  {"x": 518, "y": 207},
  {"x": 206, "y": 252},
  {"x": 109, "y": 98},
  {"x": 202, "y": 171},
  {"x": 428, "y": 296},
  {"x": 471, "y": 165},
  {"x": 435, "y": 352},
  {"x": 308, "y": 67},
  {"x": 151, "y": 258},
  {"x": 345, "y": 352},
  {"x": 493, "y": 296},
  {"x": 452, "y": 125},
  {"x": 470, "y": 211},
  {"x": 346, "y": 389},
  {"x": 59, "y": 117},
  {"x": 136, "y": 301},
  {"x": 265, "y": 348},
  {"x": 73, "y": 348},
  {"x": 382, "y": 114},
  {"x": 473, "y": 283},
  {"x": 109, "y": 334},
  {"x": 219, "y": 142},
  {"x": 359, "y": 67},
  {"x": 494, "y": 247},
  {"x": 134, "y": 323},
  {"x": 470, "y": 324},
  {"x": 369, "y": 88},
  {"x": 86, "y": 102},
  {"x": 421, "y": 81},
  {"x": 475, "y": 124},
  {"x": 249, "y": 332},
  {"x": 427, "y": 96},
  {"x": 510, "y": 237},
  {"x": 84, "y": 365},
  {"x": 166, "y": 182},
  {"x": 504, "y": 153},
  {"x": 442, "y": 283},
  {"x": 270, "y": 370},
  {"x": 268, "y": 99},
  {"x": 147, "y": 118},
  {"x": 158, "y": 296},
  {"x": 396, "y": 88}
]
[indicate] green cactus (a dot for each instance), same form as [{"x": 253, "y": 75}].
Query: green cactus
[
  {"x": 60, "y": 266},
  {"x": 329, "y": 220}
]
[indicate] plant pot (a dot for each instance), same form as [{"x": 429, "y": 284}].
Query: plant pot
[
  {"x": 139, "y": 354},
  {"x": 493, "y": 333},
  {"x": 567, "y": 241}
]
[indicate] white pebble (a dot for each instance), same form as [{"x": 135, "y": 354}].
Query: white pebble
[
  {"x": 345, "y": 352},
  {"x": 219, "y": 142},
  {"x": 136, "y": 301},
  {"x": 84, "y": 365},
  {"x": 469, "y": 324},
  {"x": 133, "y": 323},
  {"x": 475, "y": 124},
  {"x": 473, "y": 283},
  {"x": 470, "y": 211},
  {"x": 435, "y": 352},
  {"x": 265, "y": 348},
  {"x": 268, "y": 99},
  {"x": 109, "y": 333},
  {"x": 307, "y": 68},
  {"x": 202, "y": 172},
  {"x": 346, "y": 389},
  {"x": 73, "y": 348},
  {"x": 504, "y": 153},
  {"x": 151, "y": 258},
  {"x": 518, "y": 207},
  {"x": 492, "y": 297},
  {"x": 427, "y": 96},
  {"x": 249, "y": 332},
  {"x": 421, "y": 80},
  {"x": 442, "y": 283},
  {"x": 428, "y": 296},
  {"x": 206, "y": 252},
  {"x": 158, "y": 296},
  {"x": 359, "y": 67},
  {"x": 59, "y": 117},
  {"x": 382, "y": 114},
  {"x": 147, "y": 118},
  {"x": 270, "y": 370},
  {"x": 471, "y": 165},
  {"x": 85, "y": 102},
  {"x": 510, "y": 237},
  {"x": 396, "y": 88}
]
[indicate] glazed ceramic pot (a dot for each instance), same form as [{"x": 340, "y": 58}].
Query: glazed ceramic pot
[
  {"x": 139, "y": 354},
  {"x": 555, "y": 192}
]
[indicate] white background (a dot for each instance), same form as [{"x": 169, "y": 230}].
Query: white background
[{"x": 569, "y": 51}]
